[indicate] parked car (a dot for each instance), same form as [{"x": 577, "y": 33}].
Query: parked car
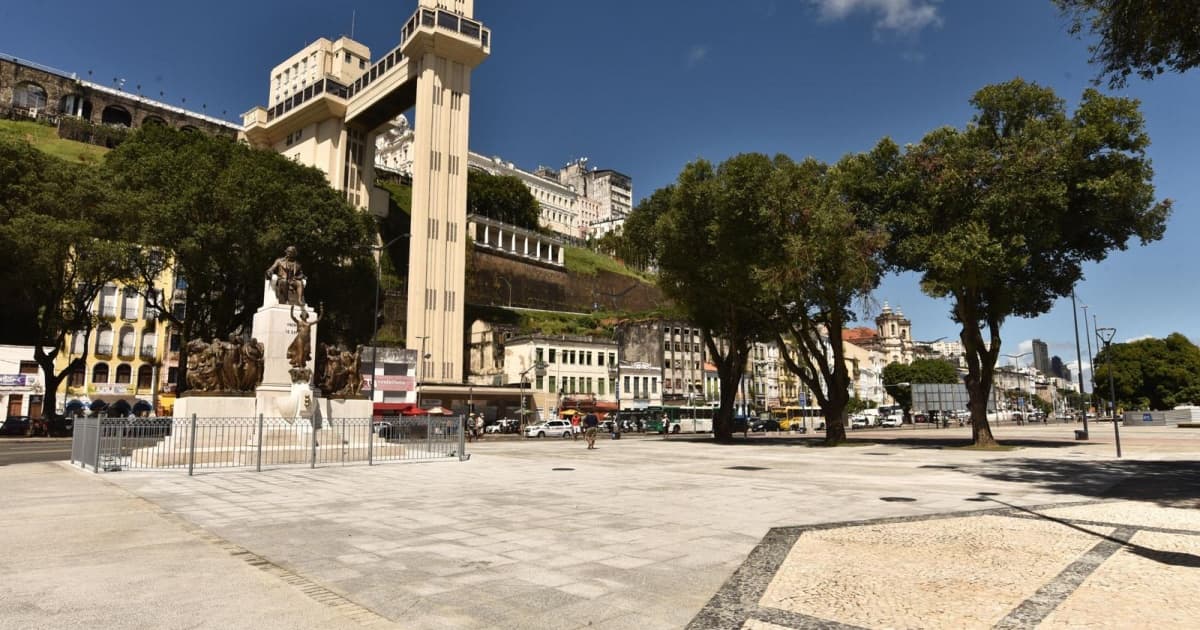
[
  {"x": 550, "y": 428},
  {"x": 858, "y": 421},
  {"x": 15, "y": 425},
  {"x": 741, "y": 424},
  {"x": 763, "y": 426},
  {"x": 892, "y": 421}
]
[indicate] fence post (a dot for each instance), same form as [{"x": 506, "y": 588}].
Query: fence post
[
  {"x": 312, "y": 462},
  {"x": 120, "y": 436},
  {"x": 192, "y": 448},
  {"x": 428, "y": 435},
  {"x": 99, "y": 430},
  {"x": 462, "y": 438},
  {"x": 258, "y": 456},
  {"x": 370, "y": 440}
]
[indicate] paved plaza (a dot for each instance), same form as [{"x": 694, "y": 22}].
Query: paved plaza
[{"x": 902, "y": 532}]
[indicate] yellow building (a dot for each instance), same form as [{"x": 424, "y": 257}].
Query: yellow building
[{"x": 132, "y": 358}]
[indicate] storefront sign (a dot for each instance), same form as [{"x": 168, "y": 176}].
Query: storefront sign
[
  {"x": 112, "y": 389},
  {"x": 390, "y": 383},
  {"x": 12, "y": 380}
]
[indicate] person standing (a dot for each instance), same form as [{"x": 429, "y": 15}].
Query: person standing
[{"x": 590, "y": 425}]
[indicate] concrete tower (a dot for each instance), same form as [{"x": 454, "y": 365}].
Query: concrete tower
[{"x": 328, "y": 103}]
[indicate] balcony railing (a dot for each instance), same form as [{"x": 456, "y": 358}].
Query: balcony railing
[
  {"x": 148, "y": 352},
  {"x": 104, "y": 349},
  {"x": 448, "y": 21},
  {"x": 125, "y": 352}
]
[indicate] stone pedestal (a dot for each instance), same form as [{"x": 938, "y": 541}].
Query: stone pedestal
[
  {"x": 215, "y": 407},
  {"x": 273, "y": 326}
]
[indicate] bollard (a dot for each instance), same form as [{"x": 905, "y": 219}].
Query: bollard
[
  {"x": 192, "y": 448},
  {"x": 258, "y": 455},
  {"x": 462, "y": 440}
]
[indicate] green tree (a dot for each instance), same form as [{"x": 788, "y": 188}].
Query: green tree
[
  {"x": 503, "y": 198},
  {"x": 1146, "y": 37},
  {"x": 1000, "y": 216},
  {"x": 59, "y": 245},
  {"x": 219, "y": 212},
  {"x": 711, "y": 240},
  {"x": 635, "y": 243},
  {"x": 826, "y": 261},
  {"x": 1150, "y": 373},
  {"x": 920, "y": 371}
]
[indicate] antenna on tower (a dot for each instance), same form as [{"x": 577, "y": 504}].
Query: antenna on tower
[{"x": 353, "y": 14}]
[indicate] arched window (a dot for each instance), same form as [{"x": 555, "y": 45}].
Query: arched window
[
  {"x": 129, "y": 303},
  {"x": 114, "y": 115},
  {"x": 104, "y": 342},
  {"x": 125, "y": 347},
  {"x": 29, "y": 95},
  {"x": 145, "y": 377},
  {"x": 124, "y": 373},
  {"x": 153, "y": 120},
  {"x": 77, "y": 342},
  {"x": 76, "y": 377},
  {"x": 71, "y": 105},
  {"x": 149, "y": 344},
  {"x": 100, "y": 373}
]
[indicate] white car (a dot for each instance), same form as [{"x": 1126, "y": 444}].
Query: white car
[
  {"x": 859, "y": 422},
  {"x": 892, "y": 421},
  {"x": 550, "y": 428}
]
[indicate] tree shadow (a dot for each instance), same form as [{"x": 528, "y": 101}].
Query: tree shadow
[
  {"x": 1174, "y": 558},
  {"x": 1166, "y": 483}
]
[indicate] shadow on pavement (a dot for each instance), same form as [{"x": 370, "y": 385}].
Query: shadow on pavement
[
  {"x": 1174, "y": 558},
  {"x": 1167, "y": 483},
  {"x": 914, "y": 442}
]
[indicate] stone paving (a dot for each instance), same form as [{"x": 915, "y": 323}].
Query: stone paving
[{"x": 646, "y": 533}]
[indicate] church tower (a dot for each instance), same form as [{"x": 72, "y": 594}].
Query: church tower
[{"x": 895, "y": 336}]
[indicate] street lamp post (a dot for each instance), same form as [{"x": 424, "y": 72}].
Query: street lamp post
[
  {"x": 615, "y": 372},
  {"x": 378, "y": 251},
  {"x": 1106, "y": 335},
  {"x": 1087, "y": 336},
  {"x": 539, "y": 369},
  {"x": 421, "y": 367},
  {"x": 1079, "y": 362}
]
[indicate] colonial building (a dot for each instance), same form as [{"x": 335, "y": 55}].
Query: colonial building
[
  {"x": 20, "y": 383},
  {"x": 574, "y": 366}
]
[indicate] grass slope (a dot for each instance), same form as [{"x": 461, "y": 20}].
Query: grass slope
[{"x": 45, "y": 138}]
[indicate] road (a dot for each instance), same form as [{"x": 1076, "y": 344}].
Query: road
[{"x": 27, "y": 450}]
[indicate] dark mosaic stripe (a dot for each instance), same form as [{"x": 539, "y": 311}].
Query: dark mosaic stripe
[
  {"x": 1032, "y": 611},
  {"x": 737, "y": 600}
]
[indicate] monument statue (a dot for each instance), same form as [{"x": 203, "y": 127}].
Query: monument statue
[
  {"x": 252, "y": 364},
  {"x": 342, "y": 377},
  {"x": 299, "y": 353},
  {"x": 287, "y": 278}
]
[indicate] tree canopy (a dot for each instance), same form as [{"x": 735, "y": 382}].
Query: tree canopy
[
  {"x": 503, "y": 198},
  {"x": 710, "y": 247},
  {"x": 826, "y": 259},
  {"x": 899, "y": 378},
  {"x": 222, "y": 212},
  {"x": 60, "y": 243},
  {"x": 1150, "y": 373},
  {"x": 1146, "y": 37},
  {"x": 1001, "y": 215}
]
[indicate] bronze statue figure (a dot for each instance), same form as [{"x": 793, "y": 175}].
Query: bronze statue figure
[
  {"x": 299, "y": 352},
  {"x": 287, "y": 278},
  {"x": 341, "y": 377},
  {"x": 252, "y": 364}
]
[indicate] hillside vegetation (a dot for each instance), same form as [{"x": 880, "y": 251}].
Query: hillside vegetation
[{"x": 45, "y": 138}]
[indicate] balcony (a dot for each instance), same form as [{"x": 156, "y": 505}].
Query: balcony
[
  {"x": 125, "y": 352},
  {"x": 148, "y": 352},
  {"x": 104, "y": 350},
  {"x": 472, "y": 40}
]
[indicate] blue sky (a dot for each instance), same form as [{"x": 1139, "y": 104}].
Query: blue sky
[{"x": 644, "y": 87}]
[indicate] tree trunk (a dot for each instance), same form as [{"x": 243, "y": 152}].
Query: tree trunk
[
  {"x": 835, "y": 408},
  {"x": 729, "y": 375},
  {"x": 981, "y": 430}
]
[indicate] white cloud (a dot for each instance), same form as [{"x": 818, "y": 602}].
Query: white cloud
[
  {"x": 905, "y": 16},
  {"x": 696, "y": 55},
  {"x": 1138, "y": 338}
]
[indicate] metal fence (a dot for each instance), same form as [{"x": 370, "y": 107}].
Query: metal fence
[{"x": 112, "y": 444}]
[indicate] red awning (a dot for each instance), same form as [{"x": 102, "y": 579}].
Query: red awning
[{"x": 403, "y": 409}]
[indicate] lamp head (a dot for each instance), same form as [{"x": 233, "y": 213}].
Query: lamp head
[{"x": 1106, "y": 334}]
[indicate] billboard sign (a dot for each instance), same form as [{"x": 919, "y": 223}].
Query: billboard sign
[{"x": 390, "y": 383}]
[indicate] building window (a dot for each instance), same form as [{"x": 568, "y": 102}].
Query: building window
[
  {"x": 537, "y": 354},
  {"x": 654, "y": 385},
  {"x": 104, "y": 342},
  {"x": 627, "y": 384},
  {"x": 553, "y": 383},
  {"x": 539, "y": 384},
  {"x": 553, "y": 352},
  {"x": 77, "y": 342},
  {"x": 100, "y": 373},
  {"x": 124, "y": 373},
  {"x": 145, "y": 377},
  {"x": 600, "y": 386},
  {"x": 76, "y": 377}
]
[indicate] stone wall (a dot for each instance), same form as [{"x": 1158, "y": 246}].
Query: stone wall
[
  {"x": 96, "y": 99},
  {"x": 500, "y": 281}
]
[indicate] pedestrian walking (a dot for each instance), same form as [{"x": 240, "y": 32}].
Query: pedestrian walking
[
  {"x": 590, "y": 425},
  {"x": 478, "y": 426}
]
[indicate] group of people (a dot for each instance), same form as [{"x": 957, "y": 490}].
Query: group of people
[{"x": 474, "y": 426}]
